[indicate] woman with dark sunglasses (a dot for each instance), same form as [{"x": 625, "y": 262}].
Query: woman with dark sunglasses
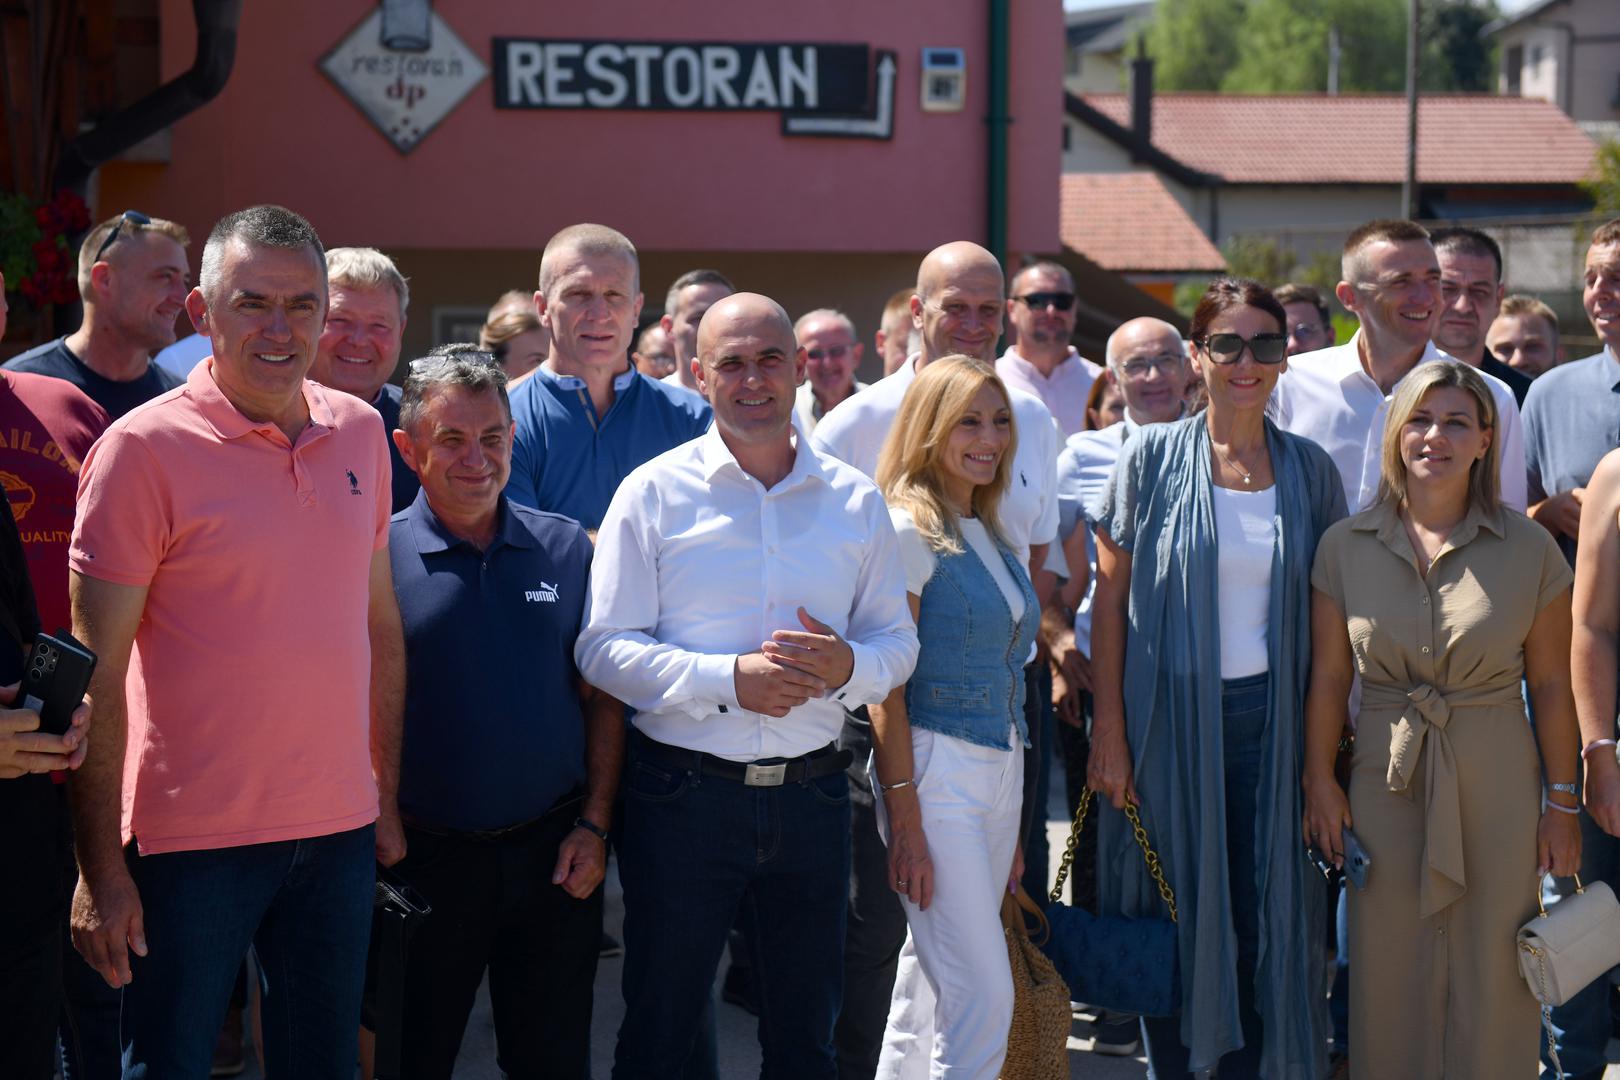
[{"x": 1201, "y": 656}]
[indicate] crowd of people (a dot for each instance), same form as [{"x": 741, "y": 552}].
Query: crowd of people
[{"x": 801, "y": 654}]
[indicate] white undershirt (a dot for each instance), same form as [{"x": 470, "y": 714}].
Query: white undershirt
[
  {"x": 920, "y": 560},
  {"x": 1245, "y": 535}
]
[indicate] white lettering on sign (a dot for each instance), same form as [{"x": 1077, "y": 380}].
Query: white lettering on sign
[
  {"x": 559, "y": 58},
  {"x": 523, "y": 60},
  {"x": 801, "y": 75},
  {"x": 720, "y": 66},
  {"x": 793, "y": 78},
  {"x": 680, "y": 95},
  {"x": 601, "y": 65},
  {"x": 406, "y": 94}
]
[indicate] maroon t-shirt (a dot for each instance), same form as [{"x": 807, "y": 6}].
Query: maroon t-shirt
[{"x": 46, "y": 428}]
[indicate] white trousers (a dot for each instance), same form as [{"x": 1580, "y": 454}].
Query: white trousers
[{"x": 953, "y": 992}]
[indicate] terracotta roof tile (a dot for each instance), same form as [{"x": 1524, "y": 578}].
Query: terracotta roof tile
[
  {"x": 1130, "y": 221},
  {"x": 1314, "y": 138}
]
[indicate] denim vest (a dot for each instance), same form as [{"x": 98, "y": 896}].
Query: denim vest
[{"x": 969, "y": 680}]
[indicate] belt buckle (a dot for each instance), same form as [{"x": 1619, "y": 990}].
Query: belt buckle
[{"x": 765, "y": 775}]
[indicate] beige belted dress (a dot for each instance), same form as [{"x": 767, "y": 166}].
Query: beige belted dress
[{"x": 1445, "y": 791}]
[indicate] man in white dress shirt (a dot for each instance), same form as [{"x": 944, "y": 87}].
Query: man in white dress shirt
[
  {"x": 832, "y": 357},
  {"x": 746, "y": 589},
  {"x": 958, "y": 308},
  {"x": 1340, "y": 396},
  {"x": 1041, "y": 308}
]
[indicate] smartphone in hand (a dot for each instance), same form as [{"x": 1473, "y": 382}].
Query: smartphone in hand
[
  {"x": 1357, "y": 862},
  {"x": 55, "y": 678}
]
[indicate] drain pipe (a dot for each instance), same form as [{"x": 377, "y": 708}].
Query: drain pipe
[
  {"x": 217, "y": 22},
  {"x": 998, "y": 121}
]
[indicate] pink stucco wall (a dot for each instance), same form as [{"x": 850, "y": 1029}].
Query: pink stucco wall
[{"x": 490, "y": 178}]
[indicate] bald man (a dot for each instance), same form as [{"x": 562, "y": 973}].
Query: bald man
[
  {"x": 958, "y": 307},
  {"x": 746, "y": 591},
  {"x": 1147, "y": 360}
]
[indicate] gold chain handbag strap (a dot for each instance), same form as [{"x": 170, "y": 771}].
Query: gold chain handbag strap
[{"x": 1155, "y": 870}]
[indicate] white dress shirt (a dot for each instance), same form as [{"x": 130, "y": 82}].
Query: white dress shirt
[
  {"x": 1063, "y": 392},
  {"x": 1328, "y": 397},
  {"x": 856, "y": 429},
  {"x": 697, "y": 563}
]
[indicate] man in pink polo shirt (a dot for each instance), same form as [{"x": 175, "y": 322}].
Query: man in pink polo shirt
[{"x": 230, "y": 568}]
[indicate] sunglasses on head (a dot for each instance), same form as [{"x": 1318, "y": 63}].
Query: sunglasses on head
[
  {"x": 1057, "y": 301},
  {"x": 134, "y": 217},
  {"x": 831, "y": 352},
  {"x": 1228, "y": 348}
]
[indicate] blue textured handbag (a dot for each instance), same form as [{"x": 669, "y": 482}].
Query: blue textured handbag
[{"x": 1128, "y": 965}]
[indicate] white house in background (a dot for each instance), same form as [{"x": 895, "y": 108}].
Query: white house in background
[
  {"x": 1097, "y": 43},
  {"x": 1305, "y": 168},
  {"x": 1566, "y": 52}
]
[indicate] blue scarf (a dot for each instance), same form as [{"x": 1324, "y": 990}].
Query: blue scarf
[{"x": 1159, "y": 506}]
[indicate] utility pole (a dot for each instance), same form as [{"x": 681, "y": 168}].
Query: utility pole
[
  {"x": 1409, "y": 187},
  {"x": 1335, "y": 48}
]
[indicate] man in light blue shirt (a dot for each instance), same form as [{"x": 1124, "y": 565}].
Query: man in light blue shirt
[{"x": 586, "y": 417}]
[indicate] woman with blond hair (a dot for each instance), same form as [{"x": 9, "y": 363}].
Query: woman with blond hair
[
  {"x": 948, "y": 745},
  {"x": 1442, "y": 600}
]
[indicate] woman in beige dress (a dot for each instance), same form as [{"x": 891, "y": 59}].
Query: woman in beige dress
[{"x": 1441, "y": 599}]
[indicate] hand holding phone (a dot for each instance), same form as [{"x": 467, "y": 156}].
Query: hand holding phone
[{"x": 55, "y": 678}]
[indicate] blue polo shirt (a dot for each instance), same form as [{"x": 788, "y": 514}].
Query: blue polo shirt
[
  {"x": 1571, "y": 419},
  {"x": 494, "y": 732},
  {"x": 568, "y": 460}
]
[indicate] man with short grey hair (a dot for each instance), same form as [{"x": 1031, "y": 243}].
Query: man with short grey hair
[
  {"x": 689, "y": 297},
  {"x": 509, "y": 847},
  {"x": 367, "y": 298},
  {"x": 241, "y": 784},
  {"x": 586, "y": 417},
  {"x": 133, "y": 278},
  {"x": 832, "y": 356}
]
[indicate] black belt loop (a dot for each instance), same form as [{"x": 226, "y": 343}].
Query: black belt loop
[{"x": 766, "y": 772}]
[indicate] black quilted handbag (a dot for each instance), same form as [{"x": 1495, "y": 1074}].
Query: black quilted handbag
[{"x": 1112, "y": 961}]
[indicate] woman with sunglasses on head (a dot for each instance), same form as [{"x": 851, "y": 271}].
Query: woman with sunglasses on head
[
  {"x": 1200, "y": 654},
  {"x": 1442, "y": 600}
]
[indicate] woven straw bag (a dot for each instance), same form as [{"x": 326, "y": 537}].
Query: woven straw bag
[{"x": 1038, "y": 1044}]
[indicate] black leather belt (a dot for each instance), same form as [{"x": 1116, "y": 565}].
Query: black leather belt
[{"x": 766, "y": 772}]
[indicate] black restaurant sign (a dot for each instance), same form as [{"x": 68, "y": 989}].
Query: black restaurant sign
[{"x": 546, "y": 73}]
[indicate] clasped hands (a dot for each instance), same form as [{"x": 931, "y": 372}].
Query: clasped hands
[{"x": 793, "y": 667}]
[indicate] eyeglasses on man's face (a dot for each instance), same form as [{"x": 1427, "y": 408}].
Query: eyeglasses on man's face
[{"x": 1057, "y": 301}]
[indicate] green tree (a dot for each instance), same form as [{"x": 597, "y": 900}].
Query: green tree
[
  {"x": 1194, "y": 42},
  {"x": 1603, "y": 188},
  {"x": 1281, "y": 46}
]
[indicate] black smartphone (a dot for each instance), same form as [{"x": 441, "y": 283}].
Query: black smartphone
[
  {"x": 1356, "y": 860},
  {"x": 55, "y": 678}
]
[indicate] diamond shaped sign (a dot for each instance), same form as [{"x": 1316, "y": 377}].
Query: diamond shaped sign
[{"x": 405, "y": 94}]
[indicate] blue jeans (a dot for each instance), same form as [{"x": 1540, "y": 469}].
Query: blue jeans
[
  {"x": 304, "y": 905},
  {"x": 1583, "y": 1022},
  {"x": 1243, "y": 722},
  {"x": 695, "y": 849}
]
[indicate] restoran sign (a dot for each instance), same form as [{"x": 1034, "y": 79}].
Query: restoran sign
[{"x": 540, "y": 73}]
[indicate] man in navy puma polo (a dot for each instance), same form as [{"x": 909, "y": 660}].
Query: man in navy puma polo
[{"x": 510, "y": 760}]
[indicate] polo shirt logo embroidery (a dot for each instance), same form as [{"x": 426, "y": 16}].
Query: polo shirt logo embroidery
[
  {"x": 354, "y": 482},
  {"x": 545, "y": 594}
]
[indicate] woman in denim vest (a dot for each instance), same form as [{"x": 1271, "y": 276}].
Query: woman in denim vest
[
  {"x": 948, "y": 745},
  {"x": 1200, "y": 656}
]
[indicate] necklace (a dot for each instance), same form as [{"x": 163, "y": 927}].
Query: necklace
[{"x": 1246, "y": 474}]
